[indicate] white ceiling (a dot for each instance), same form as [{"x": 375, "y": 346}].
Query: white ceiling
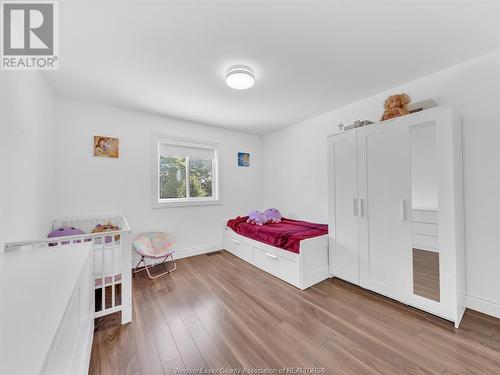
[{"x": 170, "y": 57}]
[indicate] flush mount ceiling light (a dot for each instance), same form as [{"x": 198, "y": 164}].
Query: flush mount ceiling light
[{"x": 240, "y": 77}]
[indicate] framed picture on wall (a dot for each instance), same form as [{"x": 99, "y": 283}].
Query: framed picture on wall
[
  {"x": 243, "y": 159},
  {"x": 106, "y": 147}
]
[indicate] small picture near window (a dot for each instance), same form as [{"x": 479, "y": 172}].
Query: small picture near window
[
  {"x": 243, "y": 159},
  {"x": 187, "y": 173},
  {"x": 106, "y": 147}
]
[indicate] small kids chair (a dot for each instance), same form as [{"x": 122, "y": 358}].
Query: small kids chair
[{"x": 154, "y": 245}]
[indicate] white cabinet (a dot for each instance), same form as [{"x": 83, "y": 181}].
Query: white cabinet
[
  {"x": 73, "y": 341},
  {"x": 47, "y": 319},
  {"x": 396, "y": 210}
]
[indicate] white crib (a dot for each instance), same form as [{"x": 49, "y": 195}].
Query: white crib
[{"x": 112, "y": 260}]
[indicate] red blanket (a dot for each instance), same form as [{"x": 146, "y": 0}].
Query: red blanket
[{"x": 285, "y": 235}]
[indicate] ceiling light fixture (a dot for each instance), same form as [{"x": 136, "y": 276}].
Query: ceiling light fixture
[{"x": 240, "y": 77}]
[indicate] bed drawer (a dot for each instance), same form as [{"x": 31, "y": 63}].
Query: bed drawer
[
  {"x": 278, "y": 266},
  {"x": 246, "y": 252},
  {"x": 238, "y": 248},
  {"x": 230, "y": 244}
]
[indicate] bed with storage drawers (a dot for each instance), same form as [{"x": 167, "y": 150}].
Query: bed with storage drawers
[{"x": 302, "y": 263}]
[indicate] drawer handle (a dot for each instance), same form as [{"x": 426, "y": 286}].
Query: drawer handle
[
  {"x": 272, "y": 256},
  {"x": 236, "y": 242}
]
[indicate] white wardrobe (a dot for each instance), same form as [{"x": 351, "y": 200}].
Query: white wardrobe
[{"x": 396, "y": 222}]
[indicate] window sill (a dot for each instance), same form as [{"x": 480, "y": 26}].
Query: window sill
[{"x": 187, "y": 204}]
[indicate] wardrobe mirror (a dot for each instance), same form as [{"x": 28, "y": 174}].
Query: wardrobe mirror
[{"x": 424, "y": 210}]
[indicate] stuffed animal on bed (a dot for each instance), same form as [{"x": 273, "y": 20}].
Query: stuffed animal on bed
[
  {"x": 65, "y": 231},
  {"x": 257, "y": 218},
  {"x": 100, "y": 228},
  {"x": 273, "y": 215},
  {"x": 105, "y": 228}
]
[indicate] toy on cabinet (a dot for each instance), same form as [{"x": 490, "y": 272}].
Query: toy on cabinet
[{"x": 395, "y": 106}]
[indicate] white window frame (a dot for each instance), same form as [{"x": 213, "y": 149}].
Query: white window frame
[{"x": 157, "y": 202}]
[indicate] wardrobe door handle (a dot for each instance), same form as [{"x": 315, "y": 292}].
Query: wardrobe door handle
[
  {"x": 402, "y": 203},
  {"x": 355, "y": 206},
  {"x": 361, "y": 208}
]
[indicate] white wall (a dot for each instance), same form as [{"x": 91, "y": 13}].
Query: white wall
[
  {"x": 87, "y": 185},
  {"x": 26, "y": 155},
  {"x": 296, "y": 163}
]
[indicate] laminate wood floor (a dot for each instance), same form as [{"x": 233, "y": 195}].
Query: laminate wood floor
[{"x": 220, "y": 312}]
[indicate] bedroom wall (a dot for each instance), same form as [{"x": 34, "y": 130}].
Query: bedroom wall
[
  {"x": 296, "y": 163},
  {"x": 26, "y": 157},
  {"x": 89, "y": 186}
]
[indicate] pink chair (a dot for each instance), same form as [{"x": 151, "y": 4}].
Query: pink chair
[{"x": 154, "y": 245}]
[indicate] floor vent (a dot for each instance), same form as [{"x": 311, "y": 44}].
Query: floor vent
[{"x": 214, "y": 253}]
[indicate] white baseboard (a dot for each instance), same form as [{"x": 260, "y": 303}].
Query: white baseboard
[
  {"x": 483, "y": 306},
  {"x": 197, "y": 250},
  {"x": 185, "y": 253}
]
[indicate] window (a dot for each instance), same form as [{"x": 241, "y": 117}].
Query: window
[{"x": 185, "y": 173}]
